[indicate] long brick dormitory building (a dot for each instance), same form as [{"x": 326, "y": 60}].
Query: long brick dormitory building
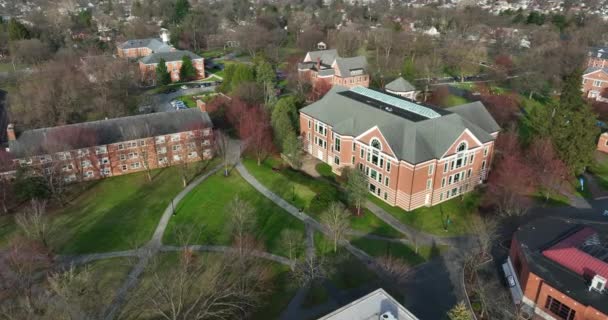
[
  {"x": 99, "y": 149},
  {"x": 414, "y": 155}
]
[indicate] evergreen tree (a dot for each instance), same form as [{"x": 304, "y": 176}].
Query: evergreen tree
[
  {"x": 242, "y": 73},
  {"x": 180, "y": 10},
  {"x": 226, "y": 85},
  {"x": 265, "y": 77},
  {"x": 17, "y": 31},
  {"x": 162, "y": 75},
  {"x": 281, "y": 120},
  {"x": 459, "y": 312},
  {"x": 574, "y": 130},
  {"x": 409, "y": 70},
  {"x": 292, "y": 149},
  {"x": 187, "y": 71}
]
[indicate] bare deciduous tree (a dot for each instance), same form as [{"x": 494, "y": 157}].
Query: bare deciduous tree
[
  {"x": 222, "y": 144},
  {"x": 395, "y": 268},
  {"x": 35, "y": 224},
  {"x": 486, "y": 231},
  {"x": 335, "y": 219},
  {"x": 310, "y": 269},
  {"x": 293, "y": 242},
  {"x": 242, "y": 219}
]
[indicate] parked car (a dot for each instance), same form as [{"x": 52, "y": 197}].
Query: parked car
[{"x": 169, "y": 90}]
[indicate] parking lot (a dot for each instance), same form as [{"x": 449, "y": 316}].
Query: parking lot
[{"x": 163, "y": 102}]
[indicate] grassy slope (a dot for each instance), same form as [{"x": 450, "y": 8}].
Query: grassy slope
[
  {"x": 307, "y": 192},
  {"x": 204, "y": 208},
  {"x": 433, "y": 219},
  {"x": 116, "y": 213},
  {"x": 378, "y": 248}
]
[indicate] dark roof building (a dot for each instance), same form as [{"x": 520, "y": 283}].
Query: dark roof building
[
  {"x": 104, "y": 132},
  {"x": 154, "y": 44},
  {"x": 562, "y": 268},
  {"x": 168, "y": 56}
]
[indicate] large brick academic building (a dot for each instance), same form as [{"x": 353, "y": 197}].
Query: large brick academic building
[
  {"x": 561, "y": 269},
  {"x": 414, "y": 155},
  {"x": 113, "y": 147}
]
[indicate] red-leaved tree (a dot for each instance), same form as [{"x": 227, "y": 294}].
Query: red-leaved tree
[
  {"x": 503, "y": 108},
  {"x": 256, "y": 133},
  {"x": 319, "y": 89},
  {"x": 512, "y": 178},
  {"x": 549, "y": 170}
]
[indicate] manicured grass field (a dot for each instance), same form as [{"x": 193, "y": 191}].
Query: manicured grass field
[
  {"x": 117, "y": 213},
  {"x": 452, "y": 100},
  {"x": 433, "y": 219},
  {"x": 378, "y": 248},
  {"x": 345, "y": 271},
  {"x": 313, "y": 195},
  {"x": 204, "y": 209},
  {"x": 600, "y": 169}
]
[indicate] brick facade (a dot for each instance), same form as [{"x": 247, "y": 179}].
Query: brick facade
[
  {"x": 148, "y": 71},
  {"x": 395, "y": 181},
  {"x": 602, "y": 143},
  {"x": 538, "y": 293},
  {"x": 595, "y": 83}
]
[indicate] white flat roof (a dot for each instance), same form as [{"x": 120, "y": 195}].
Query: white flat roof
[{"x": 371, "y": 306}]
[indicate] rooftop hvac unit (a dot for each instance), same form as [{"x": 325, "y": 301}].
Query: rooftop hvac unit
[
  {"x": 387, "y": 316},
  {"x": 598, "y": 283}
]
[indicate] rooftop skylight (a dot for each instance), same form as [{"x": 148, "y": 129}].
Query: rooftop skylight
[{"x": 396, "y": 102}]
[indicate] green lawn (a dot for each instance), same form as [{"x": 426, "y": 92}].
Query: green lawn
[
  {"x": 117, "y": 213},
  {"x": 7, "y": 228},
  {"x": 345, "y": 271},
  {"x": 313, "y": 195},
  {"x": 453, "y": 100},
  {"x": 433, "y": 219},
  {"x": 600, "y": 169},
  {"x": 378, "y": 248},
  {"x": 212, "y": 53},
  {"x": 8, "y": 67},
  {"x": 190, "y": 100},
  {"x": 204, "y": 209},
  {"x": 109, "y": 275}
]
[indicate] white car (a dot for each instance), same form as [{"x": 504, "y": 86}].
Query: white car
[{"x": 184, "y": 87}]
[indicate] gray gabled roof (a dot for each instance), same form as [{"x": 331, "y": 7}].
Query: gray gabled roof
[
  {"x": 346, "y": 65},
  {"x": 594, "y": 69},
  {"x": 599, "y": 52},
  {"x": 154, "y": 44},
  {"x": 327, "y": 56},
  {"x": 400, "y": 85},
  {"x": 168, "y": 56},
  {"x": 89, "y": 134},
  {"x": 413, "y": 137}
]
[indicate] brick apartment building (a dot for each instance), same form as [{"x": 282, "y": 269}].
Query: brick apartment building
[
  {"x": 595, "y": 82},
  {"x": 560, "y": 269},
  {"x": 602, "y": 143},
  {"x": 173, "y": 61},
  {"x": 326, "y": 66},
  {"x": 142, "y": 47},
  {"x": 113, "y": 147},
  {"x": 414, "y": 155}
]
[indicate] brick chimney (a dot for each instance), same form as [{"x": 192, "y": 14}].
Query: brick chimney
[
  {"x": 201, "y": 105},
  {"x": 10, "y": 132}
]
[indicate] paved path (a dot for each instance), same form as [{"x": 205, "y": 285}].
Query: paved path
[
  {"x": 151, "y": 248},
  {"x": 69, "y": 260},
  {"x": 226, "y": 249}
]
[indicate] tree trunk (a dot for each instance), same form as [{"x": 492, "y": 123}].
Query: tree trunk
[
  {"x": 184, "y": 180},
  {"x": 149, "y": 175},
  {"x": 335, "y": 244}
]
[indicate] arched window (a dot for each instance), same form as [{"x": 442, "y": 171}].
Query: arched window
[
  {"x": 462, "y": 147},
  {"x": 376, "y": 144}
]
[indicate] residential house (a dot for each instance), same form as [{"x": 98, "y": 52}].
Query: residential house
[
  {"x": 602, "y": 143},
  {"x": 375, "y": 305},
  {"x": 401, "y": 87},
  {"x": 598, "y": 57},
  {"x": 414, "y": 155},
  {"x": 113, "y": 147},
  {"x": 327, "y": 66},
  {"x": 595, "y": 81},
  {"x": 558, "y": 269},
  {"x": 173, "y": 61},
  {"x": 142, "y": 47}
]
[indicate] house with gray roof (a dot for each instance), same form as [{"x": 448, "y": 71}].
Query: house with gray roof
[
  {"x": 377, "y": 305},
  {"x": 401, "y": 87},
  {"x": 328, "y": 67},
  {"x": 99, "y": 149},
  {"x": 414, "y": 154},
  {"x": 173, "y": 61},
  {"x": 142, "y": 47}
]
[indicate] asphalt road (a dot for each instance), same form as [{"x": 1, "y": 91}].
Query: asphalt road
[{"x": 160, "y": 102}]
